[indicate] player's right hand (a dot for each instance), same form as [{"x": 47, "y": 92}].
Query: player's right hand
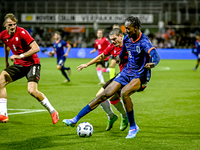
[
  {"x": 82, "y": 66},
  {"x": 13, "y": 57},
  {"x": 50, "y": 54}
]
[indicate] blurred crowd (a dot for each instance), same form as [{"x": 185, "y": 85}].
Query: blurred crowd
[
  {"x": 44, "y": 38},
  {"x": 174, "y": 38},
  {"x": 164, "y": 38}
]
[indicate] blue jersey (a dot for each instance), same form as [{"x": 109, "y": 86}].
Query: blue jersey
[
  {"x": 138, "y": 56},
  {"x": 197, "y": 45},
  {"x": 59, "y": 46}
]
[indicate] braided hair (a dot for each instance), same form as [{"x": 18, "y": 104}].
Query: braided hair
[{"x": 135, "y": 22}]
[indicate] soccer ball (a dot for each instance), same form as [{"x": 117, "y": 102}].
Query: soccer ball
[{"x": 85, "y": 129}]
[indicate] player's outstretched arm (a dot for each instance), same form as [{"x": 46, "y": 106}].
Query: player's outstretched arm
[
  {"x": 68, "y": 49},
  {"x": 81, "y": 67},
  {"x": 94, "y": 50},
  {"x": 99, "y": 58}
]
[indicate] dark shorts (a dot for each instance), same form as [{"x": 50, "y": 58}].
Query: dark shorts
[
  {"x": 32, "y": 73},
  {"x": 61, "y": 61},
  {"x": 105, "y": 64},
  {"x": 123, "y": 79}
]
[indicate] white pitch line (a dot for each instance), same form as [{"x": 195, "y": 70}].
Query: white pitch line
[
  {"x": 159, "y": 68},
  {"x": 25, "y": 111}
]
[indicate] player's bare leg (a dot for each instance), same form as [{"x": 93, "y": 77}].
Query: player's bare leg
[
  {"x": 33, "y": 90},
  {"x": 198, "y": 61},
  {"x": 119, "y": 105},
  {"x": 108, "y": 92},
  {"x": 105, "y": 105},
  {"x": 126, "y": 92},
  {"x": 4, "y": 80}
]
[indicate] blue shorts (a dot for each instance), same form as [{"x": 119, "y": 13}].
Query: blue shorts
[
  {"x": 61, "y": 61},
  {"x": 123, "y": 79}
]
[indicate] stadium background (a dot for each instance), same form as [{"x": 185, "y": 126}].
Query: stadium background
[
  {"x": 169, "y": 24},
  {"x": 167, "y": 112}
]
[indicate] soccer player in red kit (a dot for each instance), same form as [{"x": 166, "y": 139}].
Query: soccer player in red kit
[
  {"x": 26, "y": 63},
  {"x": 101, "y": 43}
]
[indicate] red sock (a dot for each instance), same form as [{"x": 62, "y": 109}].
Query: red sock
[{"x": 114, "y": 102}]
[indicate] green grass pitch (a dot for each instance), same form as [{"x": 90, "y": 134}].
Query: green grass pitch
[{"x": 167, "y": 112}]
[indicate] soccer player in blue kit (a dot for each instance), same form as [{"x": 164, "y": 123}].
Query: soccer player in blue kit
[
  {"x": 59, "y": 47},
  {"x": 142, "y": 56},
  {"x": 197, "y": 46}
]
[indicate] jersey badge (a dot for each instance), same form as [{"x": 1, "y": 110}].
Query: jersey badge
[
  {"x": 23, "y": 32},
  {"x": 138, "y": 49},
  {"x": 16, "y": 38},
  {"x": 59, "y": 44},
  {"x": 6, "y": 40}
]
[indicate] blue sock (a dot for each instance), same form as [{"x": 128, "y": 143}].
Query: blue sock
[
  {"x": 131, "y": 119},
  {"x": 65, "y": 74},
  {"x": 82, "y": 113},
  {"x": 65, "y": 68}
]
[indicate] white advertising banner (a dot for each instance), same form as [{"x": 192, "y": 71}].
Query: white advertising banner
[{"x": 83, "y": 18}]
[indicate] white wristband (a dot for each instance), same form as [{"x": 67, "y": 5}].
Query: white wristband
[{"x": 22, "y": 55}]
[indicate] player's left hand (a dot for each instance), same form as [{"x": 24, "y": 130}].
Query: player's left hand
[
  {"x": 13, "y": 57},
  {"x": 149, "y": 65},
  {"x": 82, "y": 66},
  {"x": 66, "y": 55}
]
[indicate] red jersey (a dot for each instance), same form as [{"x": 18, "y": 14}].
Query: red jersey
[
  {"x": 115, "y": 51},
  {"x": 101, "y": 45},
  {"x": 19, "y": 43}
]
